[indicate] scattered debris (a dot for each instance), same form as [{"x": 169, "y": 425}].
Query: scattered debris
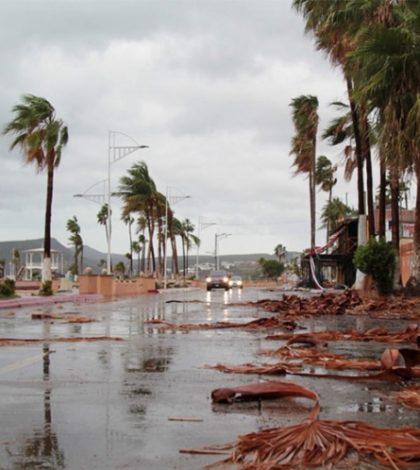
[
  {"x": 409, "y": 396},
  {"x": 271, "y": 322},
  {"x": 64, "y": 318},
  {"x": 409, "y": 335},
  {"x": 190, "y": 420},
  {"x": 314, "y": 442},
  {"x": 26, "y": 341}
]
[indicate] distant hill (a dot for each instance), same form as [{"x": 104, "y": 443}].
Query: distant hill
[{"x": 92, "y": 257}]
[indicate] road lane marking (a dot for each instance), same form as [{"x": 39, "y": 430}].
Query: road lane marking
[{"x": 21, "y": 364}]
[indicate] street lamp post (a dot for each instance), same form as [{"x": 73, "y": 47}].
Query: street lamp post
[
  {"x": 116, "y": 153},
  {"x": 216, "y": 252},
  {"x": 200, "y": 226},
  {"x": 174, "y": 200}
]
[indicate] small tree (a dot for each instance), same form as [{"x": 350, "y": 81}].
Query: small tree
[
  {"x": 377, "y": 258},
  {"x": 271, "y": 268}
]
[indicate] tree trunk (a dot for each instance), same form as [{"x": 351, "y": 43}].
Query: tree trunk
[
  {"x": 358, "y": 145},
  {"x": 382, "y": 198},
  {"x": 312, "y": 198},
  {"x": 131, "y": 244},
  {"x": 183, "y": 256},
  {"x": 46, "y": 268},
  {"x": 175, "y": 267},
  {"x": 395, "y": 226},
  {"x": 369, "y": 178}
]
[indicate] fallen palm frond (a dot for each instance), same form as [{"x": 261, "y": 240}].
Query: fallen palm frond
[
  {"x": 324, "y": 304},
  {"x": 409, "y": 396},
  {"x": 409, "y": 335},
  {"x": 268, "y": 369},
  {"x": 388, "y": 308},
  {"x": 314, "y": 442},
  {"x": 64, "y": 318},
  {"x": 271, "y": 322},
  {"x": 28, "y": 341},
  {"x": 316, "y": 357},
  {"x": 273, "y": 389}
]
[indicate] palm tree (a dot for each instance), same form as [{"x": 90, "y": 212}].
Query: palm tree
[
  {"x": 137, "y": 248},
  {"x": 389, "y": 53},
  {"x": 41, "y": 137},
  {"x": 305, "y": 120},
  {"x": 280, "y": 252},
  {"x": 102, "y": 219},
  {"x": 334, "y": 212},
  {"x": 324, "y": 177},
  {"x": 128, "y": 220},
  {"x": 139, "y": 194},
  {"x": 76, "y": 239},
  {"x": 334, "y": 24}
]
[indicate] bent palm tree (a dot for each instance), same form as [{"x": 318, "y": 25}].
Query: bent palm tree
[
  {"x": 305, "y": 120},
  {"x": 41, "y": 137}
]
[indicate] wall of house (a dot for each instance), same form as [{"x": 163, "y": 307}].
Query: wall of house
[{"x": 110, "y": 287}]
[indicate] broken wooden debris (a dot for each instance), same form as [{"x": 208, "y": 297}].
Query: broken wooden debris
[{"x": 62, "y": 317}]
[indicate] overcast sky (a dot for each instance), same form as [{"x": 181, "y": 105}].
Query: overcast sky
[{"x": 205, "y": 83}]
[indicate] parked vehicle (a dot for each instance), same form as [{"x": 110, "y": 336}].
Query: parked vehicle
[
  {"x": 236, "y": 281},
  {"x": 218, "y": 279}
]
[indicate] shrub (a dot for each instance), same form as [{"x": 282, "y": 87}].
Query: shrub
[
  {"x": 7, "y": 288},
  {"x": 377, "y": 258},
  {"x": 46, "y": 288}
]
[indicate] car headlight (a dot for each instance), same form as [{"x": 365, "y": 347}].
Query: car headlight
[
  {"x": 225, "y": 279},
  {"x": 231, "y": 283},
  {"x": 239, "y": 283},
  {"x": 208, "y": 279}
]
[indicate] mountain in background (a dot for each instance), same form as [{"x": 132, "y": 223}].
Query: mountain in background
[{"x": 92, "y": 257}]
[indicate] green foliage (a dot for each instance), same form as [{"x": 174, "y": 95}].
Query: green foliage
[
  {"x": 7, "y": 288},
  {"x": 378, "y": 259},
  {"x": 271, "y": 268},
  {"x": 46, "y": 289}
]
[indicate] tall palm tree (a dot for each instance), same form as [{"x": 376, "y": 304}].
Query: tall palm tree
[
  {"x": 41, "y": 137},
  {"x": 389, "y": 51},
  {"x": 102, "y": 219},
  {"x": 334, "y": 22},
  {"x": 305, "y": 120},
  {"x": 139, "y": 194},
  {"x": 128, "y": 220},
  {"x": 76, "y": 240},
  {"x": 280, "y": 252}
]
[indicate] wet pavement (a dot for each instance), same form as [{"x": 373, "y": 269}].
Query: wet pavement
[{"x": 108, "y": 404}]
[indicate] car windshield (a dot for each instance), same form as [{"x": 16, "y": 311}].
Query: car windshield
[
  {"x": 236, "y": 278},
  {"x": 218, "y": 274}
]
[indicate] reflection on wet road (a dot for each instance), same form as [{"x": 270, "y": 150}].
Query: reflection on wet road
[{"x": 106, "y": 405}]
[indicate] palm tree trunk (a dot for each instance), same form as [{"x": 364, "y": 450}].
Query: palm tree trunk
[
  {"x": 183, "y": 255},
  {"x": 312, "y": 196},
  {"x": 382, "y": 198},
  {"x": 395, "y": 227},
  {"x": 369, "y": 178},
  {"x": 174, "y": 255},
  {"x": 131, "y": 244},
  {"x": 358, "y": 145},
  {"x": 46, "y": 267}
]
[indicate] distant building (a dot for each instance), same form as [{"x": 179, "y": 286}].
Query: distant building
[{"x": 33, "y": 263}]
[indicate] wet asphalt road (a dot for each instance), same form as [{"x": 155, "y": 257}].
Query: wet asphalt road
[{"x": 106, "y": 405}]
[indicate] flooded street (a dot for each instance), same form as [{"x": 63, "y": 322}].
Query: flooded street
[{"x": 111, "y": 404}]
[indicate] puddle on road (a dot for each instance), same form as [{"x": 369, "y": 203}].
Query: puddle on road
[{"x": 105, "y": 406}]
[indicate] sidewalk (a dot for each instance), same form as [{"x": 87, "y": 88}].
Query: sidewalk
[{"x": 32, "y": 300}]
